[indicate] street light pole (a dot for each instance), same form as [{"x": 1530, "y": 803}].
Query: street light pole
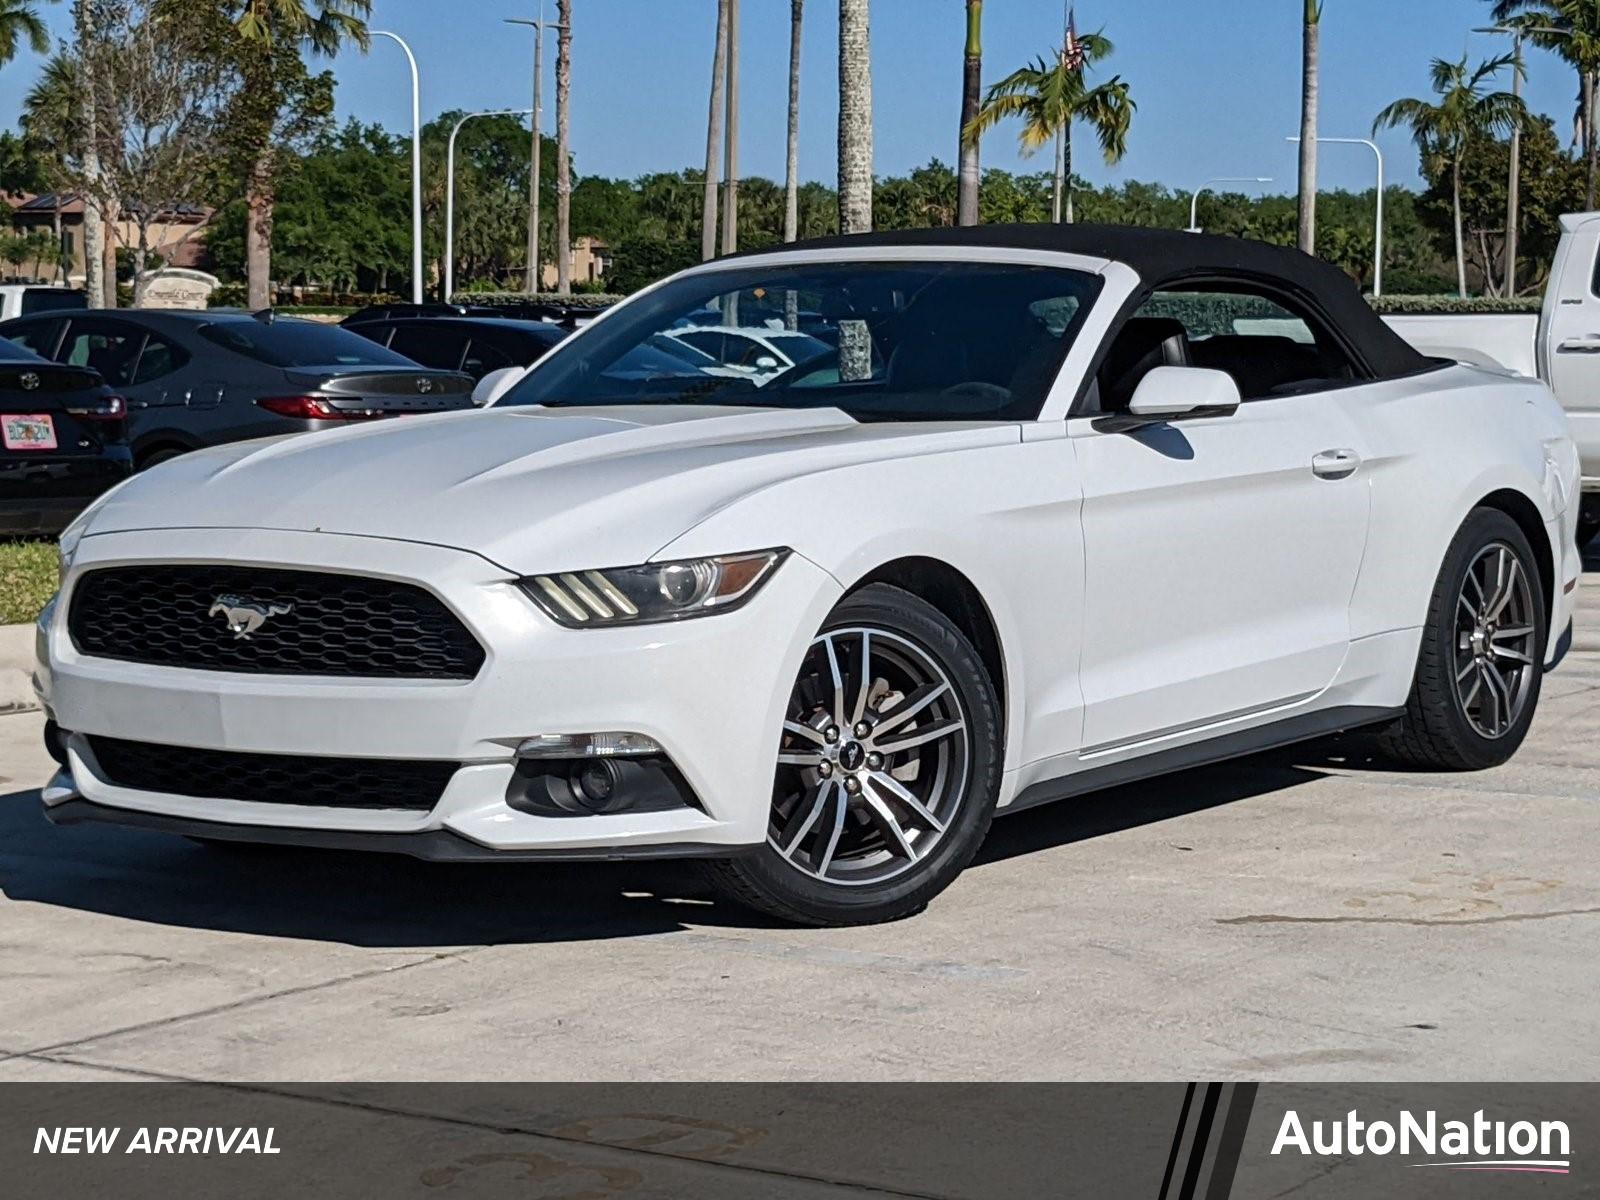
[
  {"x": 450, "y": 193},
  {"x": 416, "y": 165},
  {"x": 1194, "y": 203},
  {"x": 538, "y": 28},
  {"x": 1377, "y": 235}
]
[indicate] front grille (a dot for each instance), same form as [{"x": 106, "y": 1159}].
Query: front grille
[
  {"x": 312, "y": 623},
  {"x": 364, "y": 783}
]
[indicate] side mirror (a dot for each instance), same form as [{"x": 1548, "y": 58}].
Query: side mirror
[
  {"x": 496, "y": 384},
  {"x": 1170, "y": 393},
  {"x": 766, "y": 363}
]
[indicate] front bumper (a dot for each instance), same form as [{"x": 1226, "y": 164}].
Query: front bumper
[{"x": 710, "y": 691}]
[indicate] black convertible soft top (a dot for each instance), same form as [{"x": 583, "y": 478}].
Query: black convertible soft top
[{"x": 1167, "y": 257}]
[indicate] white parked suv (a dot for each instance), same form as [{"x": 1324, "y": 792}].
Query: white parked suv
[{"x": 1053, "y": 516}]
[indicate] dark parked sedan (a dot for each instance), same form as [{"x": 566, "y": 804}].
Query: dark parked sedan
[
  {"x": 476, "y": 345},
  {"x": 197, "y": 379},
  {"x": 63, "y": 441}
]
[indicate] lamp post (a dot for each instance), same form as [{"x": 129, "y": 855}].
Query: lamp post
[
  {"x": 1194, "y": 203},
  {"x": 450, "y": 193},
  {"x": 1514, "y": 186},
  {"x": 538, "y": 28},
  {"x": 416, "y": 165},
  {"x": 1377, "y": 236}
]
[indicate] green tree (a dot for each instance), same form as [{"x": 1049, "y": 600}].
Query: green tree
[
  {"x": 20, "y": 22},
  {"x": 1572, "y": 29},
  {"x": 1465, "y": 109},
  {"x": 1049, "y": 97},
  {"x": 272, "y": 38}
]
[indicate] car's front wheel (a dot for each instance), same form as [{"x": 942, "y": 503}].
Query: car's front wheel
[
  {"x": 1481, "y": 661},
  {"x": 887, "y": 769}
]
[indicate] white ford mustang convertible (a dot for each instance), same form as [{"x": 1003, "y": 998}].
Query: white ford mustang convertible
[{"x": 1048, "y": 508}]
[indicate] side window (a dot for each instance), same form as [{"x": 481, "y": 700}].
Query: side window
[
  {"x": 160, "y": 358},
  {"x": 109, "y": 347},
  {"x": 483, "y": 358},
  {"x": 431, "y": 345},
  {"x": 1269, "y": 346},
  {"x": 706, "y": 342}
]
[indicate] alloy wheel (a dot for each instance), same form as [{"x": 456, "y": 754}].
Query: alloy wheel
[
  {"x": 1496, "y": 640},
  {"x": 873, "y": 762}
]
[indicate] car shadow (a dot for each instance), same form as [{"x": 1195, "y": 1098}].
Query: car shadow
[
  {"x": 1149, "y": 802},
  {"x": 391, "y": 901}
]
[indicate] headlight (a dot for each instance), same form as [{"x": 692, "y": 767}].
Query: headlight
[{"x": 654, "y": 592}]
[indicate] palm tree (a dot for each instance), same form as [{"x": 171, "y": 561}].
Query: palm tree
[
  {"x": 563, "y": 149},
  {"x": 791, "y": 175},
  {"x": 1465, "y": 109},
  {"x": 19, "y": 22},
  {"x": 1311, "y": 34},
  {"x": 52, "y": 123},
  {"x": 971, "y": 99},
  {"x": 267, "y": 28},
  {"x": 1050, "y": 96},
  {"x": 719, "y": 72},
  {"x": 855, "y": 117},
  {"x": 1572, "y": 29}
]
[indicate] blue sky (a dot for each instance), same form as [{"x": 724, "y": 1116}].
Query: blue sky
[{"x": 1217, "y": 83}]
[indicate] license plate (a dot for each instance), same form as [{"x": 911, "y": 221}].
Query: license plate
[{"x": 28, "y": 431}]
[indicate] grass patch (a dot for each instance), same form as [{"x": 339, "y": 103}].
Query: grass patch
[{"x": 27, "y": 579}]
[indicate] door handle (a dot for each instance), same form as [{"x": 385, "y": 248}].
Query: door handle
[
  {"x": 1580, "y": 345},
  {"x": 1335, "y": 464}
]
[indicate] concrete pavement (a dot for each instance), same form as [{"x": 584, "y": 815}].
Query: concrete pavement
[{"x": 1306, "y": 915}]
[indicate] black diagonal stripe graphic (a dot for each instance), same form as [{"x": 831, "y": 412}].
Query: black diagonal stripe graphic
[
  {"x": 1177, "y": 1140},
  {"x": 1202, "y": 1136},
  {"x": 1240, "y": 1105}
]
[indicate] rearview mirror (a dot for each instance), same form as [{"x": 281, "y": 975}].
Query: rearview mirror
[
  {"x": 1168, "y": 393},
  {"x": 496, "y": 384}
]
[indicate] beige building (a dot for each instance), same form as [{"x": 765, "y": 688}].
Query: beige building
[
  {"x": 591, "y": 258},
  {"x": 180, "y": 233}
]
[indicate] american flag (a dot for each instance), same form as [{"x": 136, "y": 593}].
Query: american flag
[{"x": 1073, "y": 55}]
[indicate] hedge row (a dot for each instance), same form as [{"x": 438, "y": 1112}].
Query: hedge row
[
  {"x": 577, "y": 300},
  {"x": 1396, "y": 305}
]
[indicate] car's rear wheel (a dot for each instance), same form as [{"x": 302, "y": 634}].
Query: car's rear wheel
[
  {"x": 887, "y": 769},
  {"x": 1481, "y": 662}
]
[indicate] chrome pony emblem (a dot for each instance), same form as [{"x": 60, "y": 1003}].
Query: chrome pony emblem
[
  {"x": 424, "y": 385},
  {"x": 244, "y": 617},
  {"x": 29, "y": 381}
]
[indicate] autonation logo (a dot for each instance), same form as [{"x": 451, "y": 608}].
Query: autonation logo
[{"x": 1476, "y": 1145}]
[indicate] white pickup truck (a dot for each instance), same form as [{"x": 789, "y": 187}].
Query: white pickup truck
[
  {"x": 1560, "y": 345},
  {"x": 23, "y": 299}
]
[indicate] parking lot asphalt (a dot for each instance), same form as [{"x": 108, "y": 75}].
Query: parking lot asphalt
[{"x": 1303, "y": 915}]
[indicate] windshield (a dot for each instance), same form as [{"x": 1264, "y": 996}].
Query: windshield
[
  {"x": 301, "y": 344},
  {"x": 935, "y": 341}
]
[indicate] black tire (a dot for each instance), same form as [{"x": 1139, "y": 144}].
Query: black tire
[
  {"x": 156, "y": 457},
  {"x": 1588, "y": 525},
  {"x": 1437, "y": 732},
  {"x": 772, "y": 883}
]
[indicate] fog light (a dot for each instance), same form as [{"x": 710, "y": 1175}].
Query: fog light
[
  {"x": 594, "y": 784},
  {"x": 588, "y": 745}
]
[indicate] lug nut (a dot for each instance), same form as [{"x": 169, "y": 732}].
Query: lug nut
[
  {"x": 863, "y": 730},
  {"x": 852, "y": 785},
  {"x": 825, "y": 768},
  {"x": 831, "y": 733},
  {"x": 874, "y": 760}
]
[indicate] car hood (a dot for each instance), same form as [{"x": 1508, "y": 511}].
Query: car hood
[{"x": 531, "y": 489}]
